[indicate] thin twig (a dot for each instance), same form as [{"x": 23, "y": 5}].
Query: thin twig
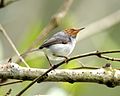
[
  {"x": 98, "y": 54},
  {"x": 42, "y": 77},
  {"x": 8, "y": 93},
  {"x": 13, "y": 46},
  {"x": 1, "y": 3},
  {"x": 13, "y": 82},
  {"x": 109, "y": 58},
  {"x": 4, "y": 4}
]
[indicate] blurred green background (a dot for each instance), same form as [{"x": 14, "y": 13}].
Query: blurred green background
[{"x": 24, "y": 20}]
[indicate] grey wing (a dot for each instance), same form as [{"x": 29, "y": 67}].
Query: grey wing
[{"x": 56, "y": 39}]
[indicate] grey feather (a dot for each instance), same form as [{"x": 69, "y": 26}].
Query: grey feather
[{"x": 58, "y": 38}]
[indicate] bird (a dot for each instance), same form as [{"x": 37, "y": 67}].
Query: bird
[{"x": 61, "y": 44}]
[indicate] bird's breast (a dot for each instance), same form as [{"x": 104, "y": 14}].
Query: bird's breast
[{"x": 63, "y": 49}]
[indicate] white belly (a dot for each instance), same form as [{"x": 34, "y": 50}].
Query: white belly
[
  {"x": 63, "y": 49},
  {"x": 60, "y": 49}
]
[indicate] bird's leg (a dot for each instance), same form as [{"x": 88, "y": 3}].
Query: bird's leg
[
  {"x": 48, "y": 59},
  {"x": 66, "y": 58}
]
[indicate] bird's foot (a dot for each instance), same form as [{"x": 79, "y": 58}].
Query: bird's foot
[{"x": 66, "y": 58}]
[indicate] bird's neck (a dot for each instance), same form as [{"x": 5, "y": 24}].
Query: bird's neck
[{"x": 73, "y": 39}]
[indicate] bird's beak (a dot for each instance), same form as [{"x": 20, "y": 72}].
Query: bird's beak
[
  {"x": 81, "y": 29},
  {"x": 78, "y": 30},
  {"x": 74, "y": 32}
]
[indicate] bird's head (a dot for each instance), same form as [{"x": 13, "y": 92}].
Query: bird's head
[{"x": 73, "y": 31}]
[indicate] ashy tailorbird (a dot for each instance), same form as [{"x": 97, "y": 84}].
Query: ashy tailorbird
[{"x": 60, "y": 45}]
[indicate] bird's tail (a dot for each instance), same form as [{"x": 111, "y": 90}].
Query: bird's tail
[{"x": 33, "y": 50}]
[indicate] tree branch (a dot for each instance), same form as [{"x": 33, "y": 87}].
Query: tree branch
[
  {"x": 13, "y": 70},
  {"x": 99, "y": 54},
  {"x": 106, "y": 75},
  {"x": 42, "y": 77},
  {"x": 109, "y": 58}
]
